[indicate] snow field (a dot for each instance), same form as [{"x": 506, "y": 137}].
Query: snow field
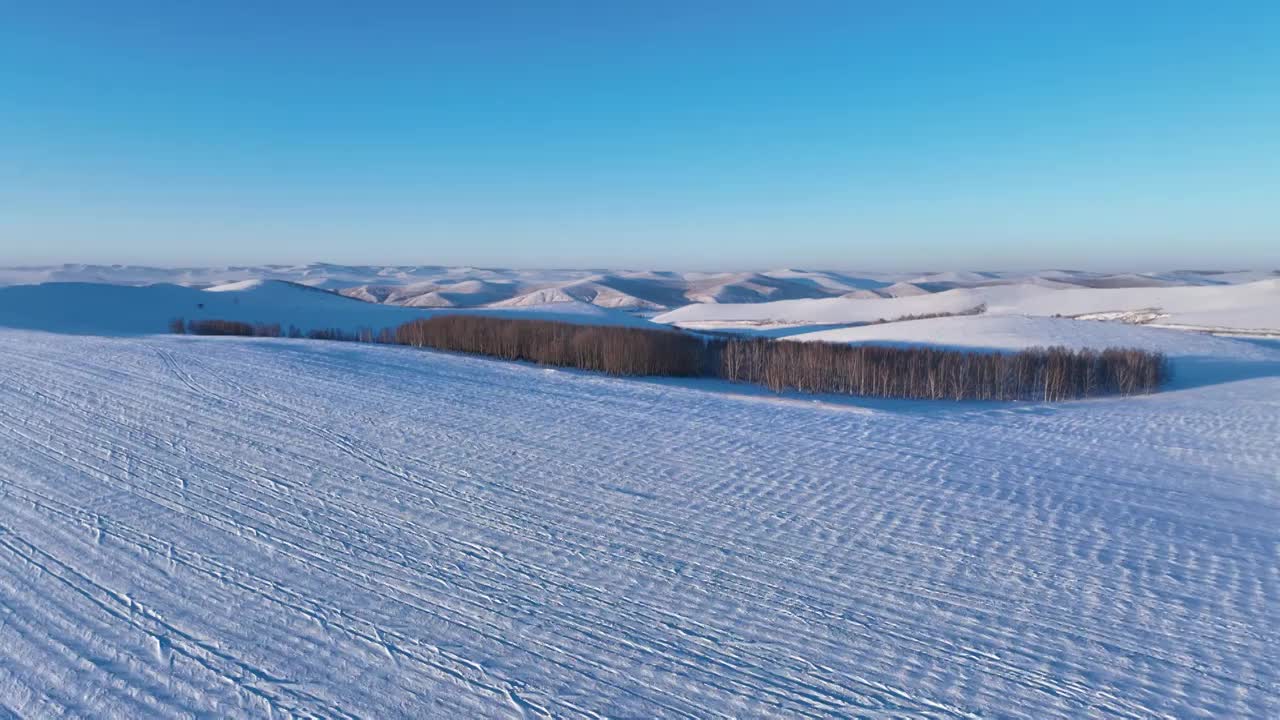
[
  {"x": 242, "y": 527},
  {"x": 1247, "y": 306},
  {"x": 99, "y": 309}
]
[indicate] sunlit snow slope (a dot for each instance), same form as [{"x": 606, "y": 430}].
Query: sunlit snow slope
[
  {"x": 228, "y": 527},
  {"x": 1252, "y": 306}
]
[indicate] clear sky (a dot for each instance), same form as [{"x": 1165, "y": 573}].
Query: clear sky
[{"x": 876, "y": 135}]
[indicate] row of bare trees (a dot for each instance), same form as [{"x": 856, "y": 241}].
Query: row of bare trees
[
  {"x": 609, "y": 349},
  {"x": 1050, "y": 374},
  {"x": 245, "y": 329},
  {"x": 224, "y": 327},
  {"x": 975, "y": 310},
  {"x": 1055, "y": 373}
]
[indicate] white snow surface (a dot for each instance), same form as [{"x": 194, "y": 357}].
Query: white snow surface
[
  {"x": 96, "y": 308},
  {"x": 233, "y": 527},
  {"x": 1017, "y": 332},
  {"x": 1247, "y": 306},
  {"x": 638, "y": 290}
]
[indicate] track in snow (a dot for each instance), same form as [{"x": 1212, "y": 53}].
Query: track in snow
[{"x": 237, "y": 527}]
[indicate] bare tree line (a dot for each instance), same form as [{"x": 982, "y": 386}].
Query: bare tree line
[
  {"x": 975, "y": 310},
  {"x": 224, "y": 327},
  {"x": 603, "y": 348},
  {"x": 245, "y": 329},
  {"x": 1055, "y": 373},
  {"x": 1049, "y": 374}
]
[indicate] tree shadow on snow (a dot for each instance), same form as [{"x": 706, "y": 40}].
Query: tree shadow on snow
[{"x": 1194, "y": 372}]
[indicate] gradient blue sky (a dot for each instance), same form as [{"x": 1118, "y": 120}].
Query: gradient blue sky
[{"x": 891, "y": 135}]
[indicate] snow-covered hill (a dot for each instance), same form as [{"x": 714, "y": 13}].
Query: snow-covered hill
[
  {"x": 1247, "y": 306},
  {"x": 242, "y": 528},
  {"x": 624, "y": 298},
  {"x": 1198, "y": 358},
  {"x": 95, "y": 308},
  {"x": 228, "y": 527},
  {"x": 1016, "y": 332},
  {"x": 634, "y": 290}
]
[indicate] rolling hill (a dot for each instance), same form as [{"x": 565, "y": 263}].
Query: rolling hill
[
  {"x": 641, "y": 291},
  {"x": 1246, "y": 307},
  {"x": 96, "y": 308}
]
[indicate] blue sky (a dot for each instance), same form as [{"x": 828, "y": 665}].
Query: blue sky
[{"x": 889, "y": 135}]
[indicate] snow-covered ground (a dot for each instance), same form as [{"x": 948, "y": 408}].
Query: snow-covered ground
[
  {"x": 1245, "y": 307},
  {"x": 1252, "y": 306},
  {"x": 97, "y": 308},
  {"x": 1016, "y": 332},
  {"x": 643, "y": 291},
  {"x": 231, "y": 527}
]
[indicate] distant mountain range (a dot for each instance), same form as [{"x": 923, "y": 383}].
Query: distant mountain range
[{"x": 638, "y": 291}]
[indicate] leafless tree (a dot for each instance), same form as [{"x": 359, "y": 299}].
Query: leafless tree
[{"x": 1049, "y": 374}]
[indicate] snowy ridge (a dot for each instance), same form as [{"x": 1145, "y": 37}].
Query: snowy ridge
[
  {"x": 231, "y": 527},
  {"x": 636, "y": 290}
]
